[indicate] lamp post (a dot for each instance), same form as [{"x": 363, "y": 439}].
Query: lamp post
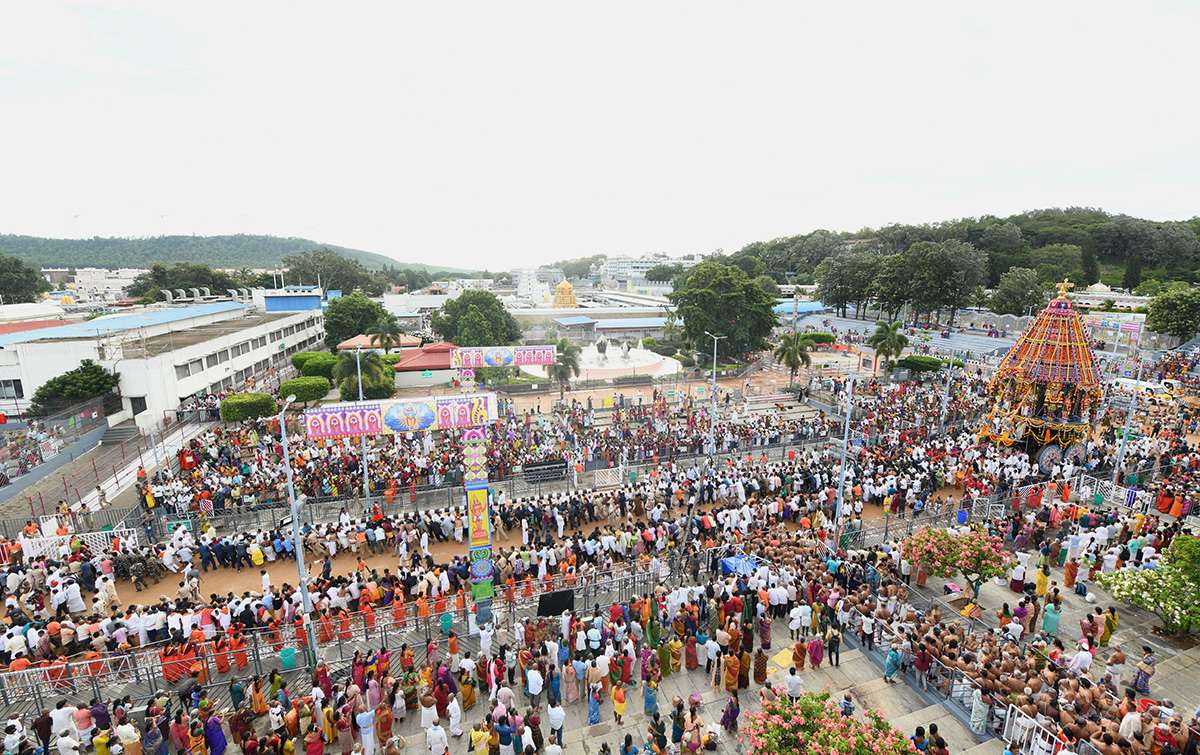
[
  {"x": 297, "y": 546},
  {"x": 366, "y": 471},
  {"x": 712, "y": 417},
  {"x": 1128, "y": 421},
  {"x": 841, "y": 489},
  {"x": 949, "y": 375}
]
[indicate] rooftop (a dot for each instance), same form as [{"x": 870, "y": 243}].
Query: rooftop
[
  {"x": 631, "y": 323},
  {"x": 113, "y": 324}
]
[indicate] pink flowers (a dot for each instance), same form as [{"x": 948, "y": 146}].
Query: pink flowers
[{"x": 814, "y": 724}]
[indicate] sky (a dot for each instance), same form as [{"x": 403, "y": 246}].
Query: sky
[{"x": 502, "y": 135}]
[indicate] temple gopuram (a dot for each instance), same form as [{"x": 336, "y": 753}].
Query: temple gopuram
[{"x": 1043, "y": 395}]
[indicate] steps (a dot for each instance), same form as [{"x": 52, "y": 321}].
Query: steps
[
  {"x": 958, "y": 736},
  {"x": 118, "y": 434},
  {"x": 990, "y": 747}
]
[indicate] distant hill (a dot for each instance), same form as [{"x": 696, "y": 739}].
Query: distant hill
[{"x": 215, "y": 251}]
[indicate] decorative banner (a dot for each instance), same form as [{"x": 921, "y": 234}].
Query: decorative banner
[
  {"x": 393, "y": 416},
  {"x": 477, "y": 516},
  {"x": 474, "y": 460},
  {"x": 502, "y": 356}
]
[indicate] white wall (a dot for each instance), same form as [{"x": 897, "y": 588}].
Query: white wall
[{"x": 413, "y": 378}]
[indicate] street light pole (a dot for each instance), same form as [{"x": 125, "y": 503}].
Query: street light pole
[
  {"x": 841, "y": 489},
  {"x": 1128, "y": 421},
  {"x": 712, "y": 416},
  {"x": 366, "y": 472},
  {"x": 946, "y": 392},
  {"x": 297, "y": 546}
]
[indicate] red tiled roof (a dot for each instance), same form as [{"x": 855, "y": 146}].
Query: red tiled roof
[
  {"x": 365, "y": 341},
  {"x": 433, "y": 356},
  {"x": 21, "y": 327}
]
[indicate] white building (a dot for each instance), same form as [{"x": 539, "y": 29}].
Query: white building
[
  {"x": 622, "y": 267},
  {"x": 164, "y": 356}
]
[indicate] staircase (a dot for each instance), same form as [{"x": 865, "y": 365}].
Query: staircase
[{"x": 118, "y": 434}]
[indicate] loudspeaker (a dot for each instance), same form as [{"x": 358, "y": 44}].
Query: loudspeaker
[{"x": 554, "y": 603}]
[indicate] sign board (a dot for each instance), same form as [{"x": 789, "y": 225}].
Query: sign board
[
  {"x": 671, "y": 394},
  {"x": 349, "y": 419},
  {"x": 699, "y": 391},
  {"x": 427, "y": 373},
  {"x": 502, "y": 356}
]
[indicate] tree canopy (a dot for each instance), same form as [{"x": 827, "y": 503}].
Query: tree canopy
[
  {"x": 87, "y": 381},
  {"x": 349, "y": 316},
  {"x": 331, "y": 270},
  {"x": 20, "y": 282},
  {"x": 1175, "y": 313},
  {"x": 723, "y": 300},
  {"x": 183, "y": 275},
  {"x": 1018, "y": 291},
  {"x": 476, "y": 318}
]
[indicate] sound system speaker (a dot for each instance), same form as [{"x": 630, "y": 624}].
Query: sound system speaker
[{"x": 554, "y": 603}]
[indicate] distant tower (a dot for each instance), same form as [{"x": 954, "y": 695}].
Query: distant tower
[{"x": 564, "y": 296}]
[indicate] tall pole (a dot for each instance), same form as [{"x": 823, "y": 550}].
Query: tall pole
[
  {"x": 297, "y": 546},
  {"x": 1128, "y": 422},
  {"x": 712, "y": 416},
  {"x": 949, "y": 375},
  {"x": 837, "y": 514},
  {"x": 366, "y": 472}
]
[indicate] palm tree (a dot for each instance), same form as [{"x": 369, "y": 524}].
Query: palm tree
[
  {"x": 888, "y": 340},
  {"x": 375, "y": 371},
  {"x": 670, "y": 326},
  {"x": 386, "y": 333},
  {"x": 792, "y": 352},
  {"x": 565, "y": 366}
]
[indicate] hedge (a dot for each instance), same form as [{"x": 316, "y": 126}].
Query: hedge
[
  {"x": 371, "y": 392},
  {"x": 300, "y": 357},
  {"x": 306, "y": 388},
  {"x": 247, "y": 406},
  {"x": 392, "y": 358},
  {"x": 920, "y": 364},
  {"x": 686, "y": 361},
  {"x": 664, "y": 351},
  {"x": 820, "y": 337},
  {"x": 319, "y": 365},
  {"x": 649, "y": 342}
]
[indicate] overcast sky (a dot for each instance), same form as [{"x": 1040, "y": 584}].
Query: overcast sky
[{"x": 503, "y": 134}]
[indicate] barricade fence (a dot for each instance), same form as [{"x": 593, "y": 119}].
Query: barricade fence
[{"x": 97, "y": 542}]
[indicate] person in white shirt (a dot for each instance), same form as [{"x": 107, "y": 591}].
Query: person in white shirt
[
  {"x": 436, "y": 740},
  {"x": 795, "y": 685},
  {"x": 556, "y": 717},
  {"x": 533, "y": 680}
]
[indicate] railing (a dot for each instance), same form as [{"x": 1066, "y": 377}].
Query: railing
[
  {"x": 1028, "y": 736},
  {"x": 98, "y": 542}
]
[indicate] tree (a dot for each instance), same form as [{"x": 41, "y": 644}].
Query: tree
[
  {"x": 319, "y": 365},
  {"x": 1089, "y": 272},
  {"x": 1057, "y": 261},
  {"x": 888, "y": 340},
  {"x": 305, "y": 388},
  {"x": 975, "y": 554},
  {"x": 722, "y": 299},
  {"x": 300, "y": 357},
  {"x": 792, "y": 352},
  {"x": 661, "y": 272},
  {"x": 20, "y": 282},
  {"x": 768, "y": 284},
  {"x": 566, "y": 365},
  {"x": 375, "y": 372},
  {"x": 814, "y": 723},
  {"x": 1003, "y": 238},
  {"x": 1133, "y": 273},
  {"x": 181, "y": 275},
  {"x": 1168, "y": 591},
  {"x": 243, "y": 406},
  {"x": 326, "y": 268},
  {"x": 1148, "y": 287},
  {"x": 491, "y": 325},
  {"x": 87, "y": 381},
  {"x": 1018, "y": 291},
  {"x": 945, "y": 274},
  {"x": 386, "y": 333},
  {"x": 1175, "y": 313},
  {"x": 349, "y": 316},
  {"x": 670, "y": 325}
]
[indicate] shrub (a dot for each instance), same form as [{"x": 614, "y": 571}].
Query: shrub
[
  {"x": 649, "y": 342},
  {"x": 957, "y": 363},
  {"x": 820, "y": 337},
  {"x": 371, "y": 391},
  {"x": 300, "y": 357},
  {"x": 244, "y": 406},
  {"x": 319, "y": 365},
  {"x": 392, "y": 358},
  {"x": 920, "y": 364},
  {"x": 666, "y": 351},
  {"x": 306, "y": 388},
  {"x": 686, "y": 361}
]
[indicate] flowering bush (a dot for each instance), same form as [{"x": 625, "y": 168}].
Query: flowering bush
[
  {"x": 1169, "y": 591},
  {"x": 975, "y": 554},
  {"x": 814, "y": 725}
]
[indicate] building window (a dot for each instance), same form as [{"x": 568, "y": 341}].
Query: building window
[
  {"x": 196, "y": 367},
  {"x": 211, "y": 360},
  {"x": 181, "y": 371},
  {"x": 223, "y": 356},
  {"x": 11, "y": 389}
]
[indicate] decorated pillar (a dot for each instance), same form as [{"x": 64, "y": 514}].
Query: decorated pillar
[{"x": 479, "y": 531}]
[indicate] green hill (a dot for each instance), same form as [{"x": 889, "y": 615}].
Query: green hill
[{"x": 232, "y": 252}]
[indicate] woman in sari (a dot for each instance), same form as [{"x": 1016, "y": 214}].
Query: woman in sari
[
  {"x": 744, "y": 670},
  {"x": 760, "y": 666},
  {"x": 658, "y": 732},
  {"x": 764, "y": 631},
  {"x": 677, "y": 723},
  {"x": 979, "y": 710},
  {"x": 570, "y": 684},
  {"x": 196, "y": 742},
  {"x": 1145, "y": 670},
  {"x": 321, "y": 679},
  {"x": 409, "y": 685},
  {"x": 1043, "y": 581},
  {"x": 1110, "y": 625},
  {"x": 593, "y": 707},
  {"x": 732, "y": 666},
  {"x": 358, "y": 670},
  {"x": 676, "y": 646},
  {"x": 816, "y": 652},
  {"x": 616, "y": 666},
  {"x": 650, "y": 699},
  {"x": 1072, "y": 573},
  {"x": 729, "y": 719},
  {"x": 215, "y": 735},
  {"x": 314, "y": 744},
  {"x": 799, "y": 654},
  {"x": 383, "y": 722},
  {"x": 554, "y": 678},
  {"x": 1050, "y": 618},
  {"x": 258, "y": 703},
  {"x": 1023, "y": 617},
  {"x": 690, "y": 658},
  {"x": 891, "y": 668},
  {"x": 237, "y": 693},
  {"x": 328, "y": 720},
  {"x": 664, "y": 659}
]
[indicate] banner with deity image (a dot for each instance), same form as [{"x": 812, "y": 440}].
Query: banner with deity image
[{"x": 350, "y": 419}]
